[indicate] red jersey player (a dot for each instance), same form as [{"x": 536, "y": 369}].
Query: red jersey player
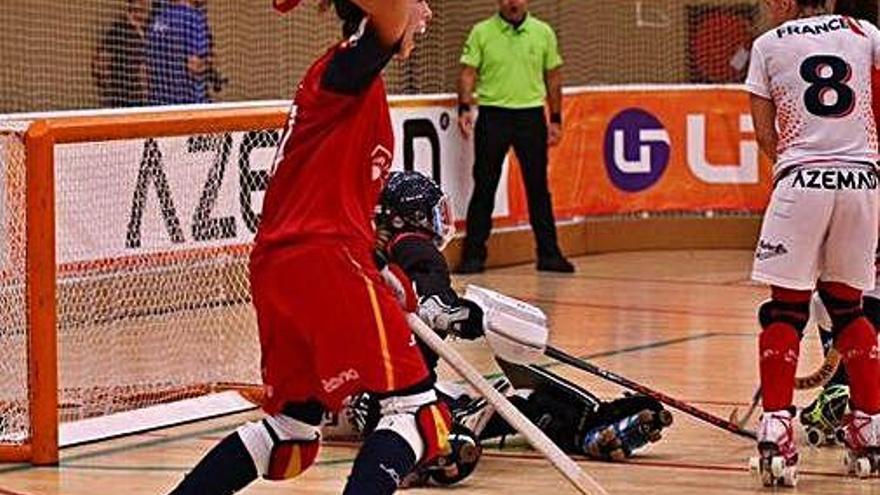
[
  {"x": 329, "y": 326},
  {"x": 810, "y": 85}
]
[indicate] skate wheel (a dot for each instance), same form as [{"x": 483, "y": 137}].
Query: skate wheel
[
  {"x": 665, "y": 418},
  {"x": 754, "y": 465},
  {"x": 645, "y": 421},
  {"x": 863, "y": 467},
  {"x": 790, "y": 477},
  {"x": 469, "y": 453},
  {"x": 617, "y": 455},
  {"x": 654, "y": 436},
  {"x": 777, "y": 467},
  {"x": 815, "y": 437},
  {"x": 839, "y": 436}
]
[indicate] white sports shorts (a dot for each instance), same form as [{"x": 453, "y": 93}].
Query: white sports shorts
[{"x": 821, "y": 224}]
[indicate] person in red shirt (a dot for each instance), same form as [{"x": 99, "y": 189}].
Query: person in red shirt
[{"x": 329, "y": 325}]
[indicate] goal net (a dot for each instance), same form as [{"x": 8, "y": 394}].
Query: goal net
[
  {"x": 145, "y": 292},
  {"x": 261, "y": 55}
]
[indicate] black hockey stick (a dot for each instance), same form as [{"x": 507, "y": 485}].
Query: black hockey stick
[
  {"x": 684, "y": 407},
  {"x": 816, "y": 379}
]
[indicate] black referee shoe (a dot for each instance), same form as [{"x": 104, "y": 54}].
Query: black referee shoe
[
  {"x": 470, "y": 266},
  {"x": 556, "y": 264}
]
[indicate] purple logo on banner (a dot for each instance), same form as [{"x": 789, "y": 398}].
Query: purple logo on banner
[{"x": 636, "y": 150}]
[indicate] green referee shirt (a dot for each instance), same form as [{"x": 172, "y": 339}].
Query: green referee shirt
[{"x": 511, "y": 61}]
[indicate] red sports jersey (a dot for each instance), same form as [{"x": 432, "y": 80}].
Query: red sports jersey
[{"x": 335, "y": 152}]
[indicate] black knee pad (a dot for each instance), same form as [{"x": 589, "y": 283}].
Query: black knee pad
[
  {"x": 310, "y": 413},
  {"x": 871, "y": 308},
  {"x": 842, "y": 311},
  {"x": 794, "y": 314}
]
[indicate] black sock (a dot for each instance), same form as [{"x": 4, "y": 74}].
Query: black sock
[
  {"x": 226, "y": 469},
  {"x": 384, "y": 459}
]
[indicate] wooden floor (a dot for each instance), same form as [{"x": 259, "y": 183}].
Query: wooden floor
[{"x": 682, "y": 322}]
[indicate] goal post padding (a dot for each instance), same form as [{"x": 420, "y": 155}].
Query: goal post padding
[{"x": 119, "y": 320}]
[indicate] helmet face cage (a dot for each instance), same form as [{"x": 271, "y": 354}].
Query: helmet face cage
[
  {"x": 412, "y": 202},
  {"x": 444, "y": 222}
]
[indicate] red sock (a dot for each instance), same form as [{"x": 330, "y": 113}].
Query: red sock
[
  {"x": 779, "y": 346},
  {"x": 857, "y": 344}
]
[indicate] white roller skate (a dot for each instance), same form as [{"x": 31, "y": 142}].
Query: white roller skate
[
  {"x": 776, "y": 464},
  {"x": 861, "y": 433}
]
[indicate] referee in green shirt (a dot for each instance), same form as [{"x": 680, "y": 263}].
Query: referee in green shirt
[{"x": 512, "y": 60}]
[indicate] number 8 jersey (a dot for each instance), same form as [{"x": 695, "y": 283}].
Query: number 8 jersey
[{"x": 817, "y": 71}]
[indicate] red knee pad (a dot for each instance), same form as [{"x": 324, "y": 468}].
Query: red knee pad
[
  {"x": 291, "y": 458},
  {"x": 843, "y": 303},
  {"x": 857, "y": 344},
  {"x": 434, "y": 422}
]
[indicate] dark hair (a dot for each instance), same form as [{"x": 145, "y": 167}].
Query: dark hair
[
  {"x": 811, "y": 3},
  {"x": 860, "y": 9},
  {"x": 351, "y": 16}
]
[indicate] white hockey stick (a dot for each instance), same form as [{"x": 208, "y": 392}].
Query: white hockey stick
[{"x": 567, "y": 467}]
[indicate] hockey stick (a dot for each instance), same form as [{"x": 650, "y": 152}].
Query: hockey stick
[
  {"x": 684, "y": 407},
  {"x": 823, "y": 375},
  {"x": 567, "y": 467},
  {"x": 734, "y": 415},
  {"x": 818, "y": 378},
  {"x": 517, "y": 332}
]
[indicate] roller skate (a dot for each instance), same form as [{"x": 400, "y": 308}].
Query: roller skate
[
  {"x": 452, "y": 468},
  {"x": 776, "y": 464},
  {"x": 862, "y": 440},
  {"x": 619, "y": 440},
  {"x": 823, "y": 418}
]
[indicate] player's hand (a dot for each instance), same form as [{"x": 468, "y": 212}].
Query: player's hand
[
  {"x": 554, "y": 134},
  {"x": 466, "y": 123},
  {"x": 463, "y": 318},
  {"x": 401, "y": 287}
]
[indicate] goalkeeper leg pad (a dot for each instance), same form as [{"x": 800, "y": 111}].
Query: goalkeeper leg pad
[
  {"x": 280, "y": 446},
  {"x": 421, "y": 420}
]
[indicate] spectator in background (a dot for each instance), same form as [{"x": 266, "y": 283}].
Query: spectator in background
[
  {"x": 119, "y": 66},
  {"x": 179, "y": 51},
  {"x": 513, "y": 61}
]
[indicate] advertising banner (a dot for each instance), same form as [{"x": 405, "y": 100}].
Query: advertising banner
[
  {"x": 688, "y": 149},
  {"x": 655, "y": 151}
]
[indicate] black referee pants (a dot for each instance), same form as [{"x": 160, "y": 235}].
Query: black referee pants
[{"x": 497, "y": 129}]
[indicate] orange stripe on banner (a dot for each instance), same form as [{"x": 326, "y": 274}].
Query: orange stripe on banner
[{"x": 383, "y": 337}]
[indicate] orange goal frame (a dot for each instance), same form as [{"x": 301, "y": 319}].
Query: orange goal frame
[{"x": 41, "y": 447}]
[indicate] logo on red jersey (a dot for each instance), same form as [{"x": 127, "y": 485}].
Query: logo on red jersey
[
  {"x": 334, "y": 382},
  {"x": 381, "y": 159}
]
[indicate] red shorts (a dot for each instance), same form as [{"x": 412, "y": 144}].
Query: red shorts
[{"x": 329, "y": 327}]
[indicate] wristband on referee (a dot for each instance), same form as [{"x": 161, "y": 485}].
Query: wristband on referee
[
  {"x": 556, "y": 118},
  {"x": 463, "y": 108}
]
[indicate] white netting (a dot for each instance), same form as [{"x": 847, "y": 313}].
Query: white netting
[
  {"x": 13, "y": 336},
  {"x": 153, "y": 299},
  {"x": 153, "y": 239},
  {"x": 262, "y": 55}
]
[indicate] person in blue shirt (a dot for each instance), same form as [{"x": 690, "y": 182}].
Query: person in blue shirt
[{"x": 179, "y": 52}]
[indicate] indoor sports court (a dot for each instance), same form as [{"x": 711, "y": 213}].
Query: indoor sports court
[
  {"x": 650, "y": 294},
  {"x": 140, "y": 140}
]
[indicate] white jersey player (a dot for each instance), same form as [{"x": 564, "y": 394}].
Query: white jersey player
[{"x": 810, "y": 85}]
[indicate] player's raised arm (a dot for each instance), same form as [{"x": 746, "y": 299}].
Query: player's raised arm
[{"x": 389, "y": 18}]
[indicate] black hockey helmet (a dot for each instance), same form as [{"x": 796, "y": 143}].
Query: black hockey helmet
[{"x": 412, "y": 202}]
